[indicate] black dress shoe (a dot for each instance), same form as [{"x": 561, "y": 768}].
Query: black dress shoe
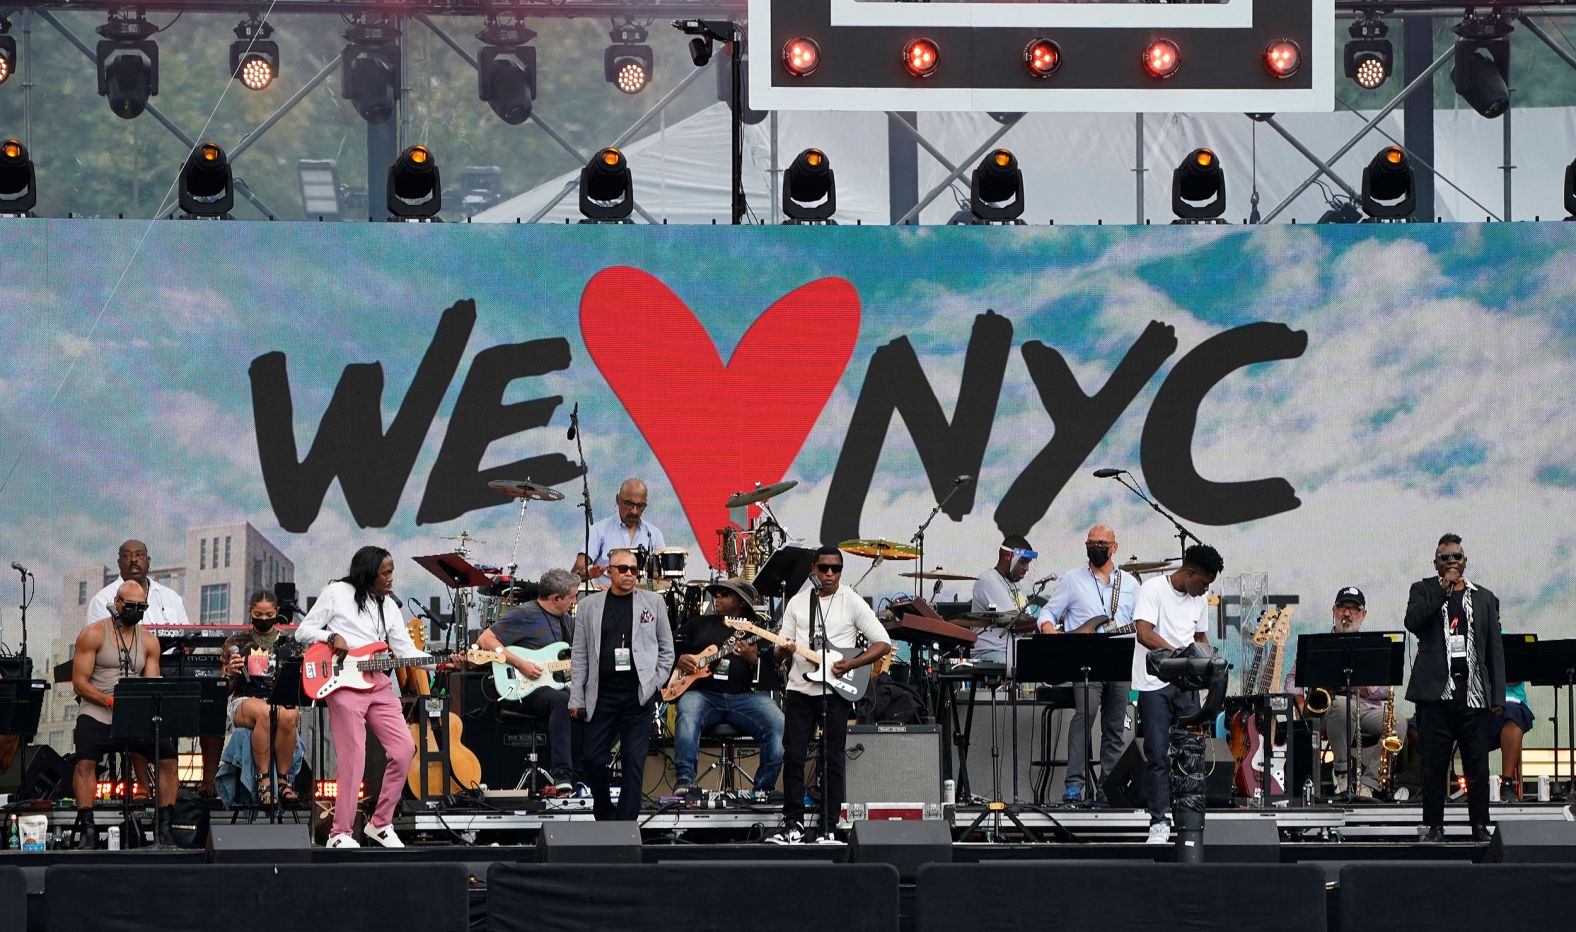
[
  {"x": 1481, "y": 835},
  {"x": 87, "y": 836},
  {"x": 1435, "y": 835}
]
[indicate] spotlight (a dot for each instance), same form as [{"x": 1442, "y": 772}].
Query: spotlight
[
  {"x": 1388, "y": 193},
  {"x": 607, "y": 190},
  {"x": 128, "y": 63},
  {"x": 810, "y": 189},
  {"x": 996, "y": 190},
  {"x": 700, "y": 51},
  {"x": 801, "y": 56},
  {"x": 18, "y": 188},
  {"x": 1369, "y": 55},
  {"x": 1282, "y": 58},
  {"x": 369, "y": 73},
  {"x": 1162, "y": 58},
  {"x": 7, "y": 50},
  {"x": 506, "y": 70},
  {"x": 415, "y": 190},
  {"x": 921, "y": 57},
  {"x": 627, "y": 63},
  {"x": 1198, "y": 188},
  {"x": 254, "y": 58},
  {"x": 1481, "y": 72},
  {"x": 205, "y": 188},
  {"x": 1042, "y": 57}
]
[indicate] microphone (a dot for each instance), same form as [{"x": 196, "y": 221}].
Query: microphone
[
  {"x": 574, "y": 421},
  {"x": 1043, "y": 581},
  {"x": 1108, "y": 473},
  {"x": 20, "y": 568},
  {"x": 962, "y": 479},
  {"x": 416, "y": 606}
]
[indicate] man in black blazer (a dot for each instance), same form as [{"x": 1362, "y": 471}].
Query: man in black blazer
[{"x": 1458, "y": 682}]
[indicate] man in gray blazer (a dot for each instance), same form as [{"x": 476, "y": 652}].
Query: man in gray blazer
[{"x": 623, "y": 653}]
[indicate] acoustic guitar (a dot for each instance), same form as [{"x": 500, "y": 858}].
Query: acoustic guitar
[{"x": 463, "y": 764}]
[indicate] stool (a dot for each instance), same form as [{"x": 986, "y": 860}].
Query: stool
[
  {"x": 727, "y": 736},
  {"x": 533, "y": 778}
]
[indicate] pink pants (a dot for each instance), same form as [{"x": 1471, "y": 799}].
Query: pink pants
[{"x": 379, "y": 709}]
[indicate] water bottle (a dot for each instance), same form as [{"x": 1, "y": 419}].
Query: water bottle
[
  {"x": 949, "y": 791},
  {"x": 11, "y": 840},
  {"x": 1307, "y": 791},
  {"x": 1258, "y": 797}
]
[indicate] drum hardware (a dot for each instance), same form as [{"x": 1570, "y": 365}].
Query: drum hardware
[
  {"x": 938, "y": 573},
  {"x": 525, "y": 490},
  {"x": 1015, "y": 622},
  {"x": 759, "y": 494},
  {"x": 1139, "y": 567}
]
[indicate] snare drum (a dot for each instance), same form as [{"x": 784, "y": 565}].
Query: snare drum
[{"x": 668, "y": 563}]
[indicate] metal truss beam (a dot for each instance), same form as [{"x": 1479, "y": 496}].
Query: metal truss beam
[{"x": 530, "y": 9}]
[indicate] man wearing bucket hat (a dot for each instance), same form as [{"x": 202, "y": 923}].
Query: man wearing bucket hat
[{"x": 735, "y": 692}]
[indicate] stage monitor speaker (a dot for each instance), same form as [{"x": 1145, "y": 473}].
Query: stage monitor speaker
[
  {"x": 260, "y": 842},
  {"x": 906, "y": 845},
  {"x": 1534, "y": 842},
  {"x": 1124, "y": 788},
  {"x": 589, "y": 843},
  {"x": 45, "y": 774},
  {"x": 894, "y": 764},
  {"x": 1251, "y": 840}
]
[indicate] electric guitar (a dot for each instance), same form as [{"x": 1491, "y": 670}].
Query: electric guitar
[
  {"x": 514, "y": 685},
  {"x": 850, "y": 686},
  {"x": 704, "y": 662},
  {"x": 322, "y": 674},
  {"x": 1092, "y": 626},
  {"x": 1263, "y": 678}
]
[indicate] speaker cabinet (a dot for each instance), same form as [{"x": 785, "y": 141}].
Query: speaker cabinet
[
  {"x": 907, "y": 846},
  {"x": 260, "y": 842},
  {"x": 1536, "y": 842},
  {"x": 1251, "y": 840},
  {"x": 589, "y": 843},
  {"x": 894, "y": 763}
]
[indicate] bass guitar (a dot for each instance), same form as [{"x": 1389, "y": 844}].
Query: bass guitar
[
  {"x": 1262, "y": 679},
  {"x": 850, "y": 686},
  {"x": 705, "y": 662},
  {"x": 514, "y": 685},
  {"x": 322, "y": 674}
]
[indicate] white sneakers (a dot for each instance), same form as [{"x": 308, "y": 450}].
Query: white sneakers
[
  {"x": 384, "y": 836},
  {"x": 341, "y": 840},
  {"x": 1159, "y": 833},
  {"x": 790, "y": 834}
]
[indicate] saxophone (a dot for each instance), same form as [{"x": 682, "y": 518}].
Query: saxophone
[{"x": 1389, "y": 744}]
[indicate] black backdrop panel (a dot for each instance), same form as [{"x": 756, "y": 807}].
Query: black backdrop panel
[
  {"x": 1090, "y": 894},
  {"x": 1457, "y": 896},
  {"x": 571, "y": 898},
  {"x": 13, "y": 898},
  {"x": 257, "y": 898}
]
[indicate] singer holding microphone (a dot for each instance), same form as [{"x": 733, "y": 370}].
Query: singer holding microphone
[{"x": 353, "y": 612}]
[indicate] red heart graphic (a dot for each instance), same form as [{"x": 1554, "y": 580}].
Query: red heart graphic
[{"x": 718, "y": 429}]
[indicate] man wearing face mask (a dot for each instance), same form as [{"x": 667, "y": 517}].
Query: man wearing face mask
[
  {"x": 997, "y": 591},
  {"x": 250, "y": 660},
  {"x": 1097, "y": 596},
  {"x": 108, "y": 651}
]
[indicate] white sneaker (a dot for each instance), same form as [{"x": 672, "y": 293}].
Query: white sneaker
[
  {"x": 342, "y": 840},
  {"x": 1159, "y": 833},
  {"x": 790, "y": 834},
  {"x": 830, "y": 838},
  {"x": 384, "y": 836}
]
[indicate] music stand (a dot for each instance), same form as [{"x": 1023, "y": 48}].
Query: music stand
[
  {"x": 286, "y": 693},
  {"x": 21, "y": 702},
  {"x": 148, "y": 710},
  {"x": 1556, "y": 666},
  {"x": 1339, "y": 661},
  {"x": 784, "y": 572},
  {"x": 1082, "y": 660},
  {"x": 1521, "y": 657}
]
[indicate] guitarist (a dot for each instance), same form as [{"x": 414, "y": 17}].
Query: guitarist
[
  {"x": 354, "y": 612},
  {"x": 823, "y": 611},
  {"x": 734, "y": 693},
  {"x": 534, "y": 626},
  {"x": 1097, "y": 596}
]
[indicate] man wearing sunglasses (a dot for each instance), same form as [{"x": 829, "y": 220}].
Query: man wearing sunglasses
[
  {"x": 1457, "y": 684},
  {"x": 627, "y": 528},
  {"x": 622, "y": 654},
  {"x": 997, "y": 591},
  {"x": 824, "y": 612}
]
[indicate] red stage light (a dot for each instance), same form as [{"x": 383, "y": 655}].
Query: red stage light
[
  {"x": 1282, "y": 58},
  {"x": 1162, "y": 58},
  {"x": 801, "y": 56},
  {"x": 1043, "y": 57},
  {"x": 920, "y": 57}
]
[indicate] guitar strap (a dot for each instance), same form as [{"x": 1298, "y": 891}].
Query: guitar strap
[{"x": 1116, "y": 592}]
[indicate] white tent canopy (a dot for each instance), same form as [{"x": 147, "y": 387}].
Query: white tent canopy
[{"x": 1078, "y": 168}]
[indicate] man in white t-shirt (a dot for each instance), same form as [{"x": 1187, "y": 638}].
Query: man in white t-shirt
[{"x": 1171, "y": 610}]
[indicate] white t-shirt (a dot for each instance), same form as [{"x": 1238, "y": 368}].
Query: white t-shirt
[
  {"x": 843, "y": 617},
  {"x": 1176, "y": 616},
  {"x": 165, "y": 608}
]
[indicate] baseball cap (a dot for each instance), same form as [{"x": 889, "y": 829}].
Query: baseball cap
[{"x": 1351, "y": 594}]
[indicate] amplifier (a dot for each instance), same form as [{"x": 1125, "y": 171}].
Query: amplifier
[{"x": 894, "y": 763}]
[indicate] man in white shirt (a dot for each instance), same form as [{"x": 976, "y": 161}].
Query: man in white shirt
[
  {"x": 1171, "y": 610},
  {"x": 997, "y": 591},
  {"x": 165, "y": 607},
  {"x": 823, "y": 612},
  {"x": 1097, "y": 596},
  {"x": 626, "y": 529}
]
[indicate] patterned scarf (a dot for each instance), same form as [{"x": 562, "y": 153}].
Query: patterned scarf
[{"x": 1475, "y": 690}]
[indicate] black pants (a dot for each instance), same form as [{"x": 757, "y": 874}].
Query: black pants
[
  {"x": 552, "y": 706},
  {"x": 620, "y": 714},
  {"x": 801, "y": 714},
  {"x": 1158, "y": 710},
  {"x": 1441, "y": 725}
]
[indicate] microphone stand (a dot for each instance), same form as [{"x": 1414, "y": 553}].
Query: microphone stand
[
  {"x": 585, "y": 493},
  {"x": 918, "y": 540},
  {"x": 1182, "y": 533},
  {"x": 27, "y": 665}
]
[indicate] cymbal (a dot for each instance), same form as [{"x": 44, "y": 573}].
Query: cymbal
[
  {"x": 1139, "y": 566},
  {"x": 937, "y": 573},
  {"x": 466, "y": 537},
  {"x": 524, "y": 488},
  {"x": 760, "y": 494},
  {"x": 878, "y": 547}
]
